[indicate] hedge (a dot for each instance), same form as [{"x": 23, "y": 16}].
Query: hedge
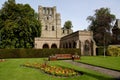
[
  {"x": 100, "y": 50},
  {"x": 34, "y": 53}
]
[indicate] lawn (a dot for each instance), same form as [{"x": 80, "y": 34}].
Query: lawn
[
  {"x": 12, "y": 69},
  {"x": 107, "y": 62}
]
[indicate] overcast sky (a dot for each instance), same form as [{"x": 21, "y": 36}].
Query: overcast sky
[{"x": 75, "y": 10}]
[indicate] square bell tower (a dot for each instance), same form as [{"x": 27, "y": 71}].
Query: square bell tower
[{"x": 51, "y": 22}]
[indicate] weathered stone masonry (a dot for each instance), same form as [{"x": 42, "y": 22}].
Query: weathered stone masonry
[{"x": 53, "y": 36}]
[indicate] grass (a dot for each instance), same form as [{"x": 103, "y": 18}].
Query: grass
[
  {"x": 106, "y": 62},
  {"x": 12, "y": 69}
]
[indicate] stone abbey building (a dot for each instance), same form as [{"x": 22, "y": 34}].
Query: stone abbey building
[{"x": 54, "y": 36}]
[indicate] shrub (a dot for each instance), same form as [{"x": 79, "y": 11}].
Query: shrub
[{"x": 113, "y": 51}]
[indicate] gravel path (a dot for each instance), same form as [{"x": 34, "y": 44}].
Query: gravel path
[{"x": 114, "y": 74}]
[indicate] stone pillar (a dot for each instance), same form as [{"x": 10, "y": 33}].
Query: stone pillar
[
  {"x": 94, "y": 49},
  {"x": 77, "y": 44},
  {"x": 71, "y": 44},
  {"x": 68, "y": 44},
  {"x": 82, "y": 48}
]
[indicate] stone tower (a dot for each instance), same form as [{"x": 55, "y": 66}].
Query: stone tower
[
  {"x": 53, "y": 36},
  {"x": 51, "y": 22}
]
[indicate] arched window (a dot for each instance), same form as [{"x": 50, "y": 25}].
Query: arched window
[
  {"x": 46, "y": 27},
  {"x": 53, "y": 28},
  {"x": 47, "y": 18},
  {"x": 54, "y": 46},
  {"x": 45, "y": 46}
]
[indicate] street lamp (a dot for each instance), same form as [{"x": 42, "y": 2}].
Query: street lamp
[
  {"x": 104, "y": 41},
  {"x": 104, "y": 44}
]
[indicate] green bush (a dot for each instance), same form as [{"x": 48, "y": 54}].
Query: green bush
[
  {"x": 35, "y": 53},
  {"x": 113, "y": 51}
]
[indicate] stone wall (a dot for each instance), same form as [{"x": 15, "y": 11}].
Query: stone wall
[
  {"x": 82, "y": 40},
  {"x": 41, "y": 43}
]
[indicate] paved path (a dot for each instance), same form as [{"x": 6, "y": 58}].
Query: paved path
[{"x": 114, "y": 74}]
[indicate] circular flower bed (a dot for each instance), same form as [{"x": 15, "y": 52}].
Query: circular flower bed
[{"x": 53, "y": 70}]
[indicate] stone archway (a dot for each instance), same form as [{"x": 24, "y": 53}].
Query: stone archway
[
  {"x": 87, "y": 48},
  {"x": 66, "y": 45},
  {"x": 46, "y": 46},
  {"x": 74, "y": 44},
  {"x": 70, "y": 46},
  {"x": 54, "y": 46}
]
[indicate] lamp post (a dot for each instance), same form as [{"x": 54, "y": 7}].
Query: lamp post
[
  {"x": 104, "y": 41},
  {"x": 104, "y": 44}
]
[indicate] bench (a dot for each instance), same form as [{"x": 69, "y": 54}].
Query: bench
[{"x": 64, "y": 56}]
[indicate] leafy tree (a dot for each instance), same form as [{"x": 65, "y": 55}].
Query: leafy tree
[
  {"x": 68, "y": 25},
  {"x": 18, "y": 25},
  {"x": 101, "y": 25}
]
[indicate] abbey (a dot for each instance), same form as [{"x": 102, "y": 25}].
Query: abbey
[{"x": 54, "y": 36}]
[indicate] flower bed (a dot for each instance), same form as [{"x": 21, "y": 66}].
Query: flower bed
[{"x": 53, "y": 70}]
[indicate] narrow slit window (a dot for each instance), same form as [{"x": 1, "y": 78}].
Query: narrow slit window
[
  {"x": 46, "y": 27},
  {"x": 53, "y": 28}
]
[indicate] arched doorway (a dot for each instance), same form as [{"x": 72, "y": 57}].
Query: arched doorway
[
  {"x": 66, "y": 45},
  {"x": 74, "y": 44},
  {"x": 87, "y": 48},
  {"x": 54, "y": 46},
  {"x": 70, "y": 45},
  {"x": 45, "y": 46}
]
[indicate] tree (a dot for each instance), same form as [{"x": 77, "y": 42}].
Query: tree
[
  {"x": 101, "y": 25},
  {"x": 18, "y": 25},
  {"x": 68, "y": 25}
]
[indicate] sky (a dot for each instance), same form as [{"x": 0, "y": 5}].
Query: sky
[{"x": 76, "y": 11}]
